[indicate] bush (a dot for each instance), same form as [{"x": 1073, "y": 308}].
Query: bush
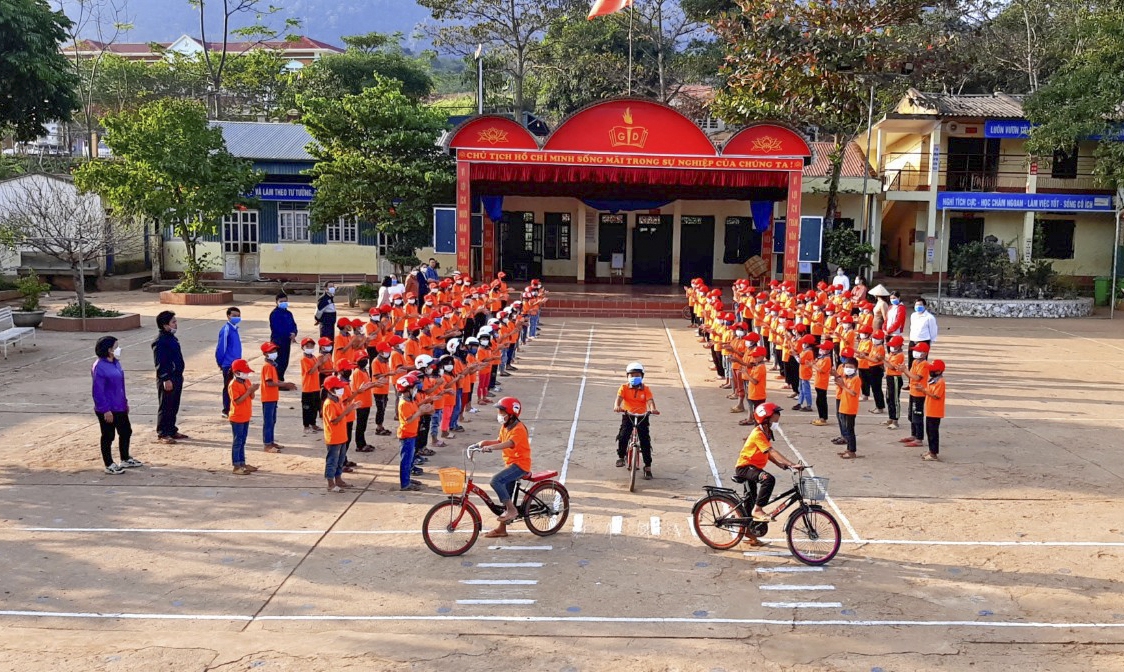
[
  {"x": 8, "y": 284},
  {"x": 367, "y": 292},
  {"x": 73, "y": 310},
  {"x": 31, "y": 288}
]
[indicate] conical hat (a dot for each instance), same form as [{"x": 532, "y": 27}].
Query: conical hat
[{"x": 879, "y": 290}]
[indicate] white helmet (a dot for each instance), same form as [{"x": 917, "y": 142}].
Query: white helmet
[
  {"x": 484, "y": 331},
  {"x": 634, "y": 366},
  {"x": 494, "y": 321},
  {"x": 453, "y": 344},
  {"x": 422, "y": 362},
  {"x": 472, "y": 340}
]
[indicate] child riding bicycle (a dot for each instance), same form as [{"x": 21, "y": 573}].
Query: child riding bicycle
[
  {"x": 515, "y": 443},
  {"x": 635, "y": 398},
  {"x": 756, "y": 454}
]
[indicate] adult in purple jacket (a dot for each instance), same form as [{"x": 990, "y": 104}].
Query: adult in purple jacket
[{"x": 111, "y": 405}]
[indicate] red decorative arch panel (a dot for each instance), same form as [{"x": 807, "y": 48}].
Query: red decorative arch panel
[
  {"x": 491, "y": 132},
  {"x": 630, "y": 126},
  {"x": 767, "y": 139}
]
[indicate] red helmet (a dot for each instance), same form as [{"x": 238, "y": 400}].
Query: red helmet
[
  {"x": 715, "y": 293},
  {"x": 343, "y": 322},
  {"x": 765, "y": 411},
  {"x": 406, "y": 382},
  {"x": 801, "y": 328},
  {"x": 827, "y": 346},
  {"x": 936, "y": 366},
  {"x": 753, "y": 337},
  {"x": 759, "y": 352},
  {"x": 324, "y": 342},
  {"x": 847, "y": 353},
  {"x": 346, "y": 365},
  {"x": 307, "y": 341},
  {"x": 741, "y": 326},
  {"x": 895, "y": 341},
  {"x": 921, "y": 347},
  {"x": 847, "y": 319},
  {"x": 241, "y": 366},
  {"x": 510, "y": 405}
]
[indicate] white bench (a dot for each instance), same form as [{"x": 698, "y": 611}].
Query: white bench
[{"x": 10, "y": 334}]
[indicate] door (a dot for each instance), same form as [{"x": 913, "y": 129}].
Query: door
[
  {"x": 973, "y": 164},
  {"x": 651, "y": 250},
  {"x": 963, "y": 230},
  {"x": 240, "y": 245},
  {"x": 696, "y": 248},
  {"x": 518, "y": 235}
]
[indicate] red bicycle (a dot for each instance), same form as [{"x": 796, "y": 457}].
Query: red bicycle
[{"x": 451, "y": 527}]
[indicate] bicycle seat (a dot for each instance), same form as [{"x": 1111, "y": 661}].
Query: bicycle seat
[{"x": 540, "y": 476}]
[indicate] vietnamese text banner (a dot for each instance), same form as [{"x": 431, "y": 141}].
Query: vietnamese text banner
[
  {"x": 629, "y": 160},
  {"x": 960, "y": 200},
  {"x": 268, "y": 191}
]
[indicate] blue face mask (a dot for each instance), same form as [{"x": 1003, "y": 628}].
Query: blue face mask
[
  {"x": 284, "y": 305},
  {"x": 895, "y": 301},
  {"x": 636, "y": 381},
  {"x": 393, "y": 283},
  {"x": 919, "y": 309},
  {"x": 235, "y": 319},
  {"x": 437, "y": 320}
]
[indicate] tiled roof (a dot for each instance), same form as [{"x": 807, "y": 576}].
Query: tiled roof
[
  {"x": 993, "y": 106},
  {"x": 265, "y": 140},
  {"x": 853, "y": 161},
  {"x": 302, "y": 43}
]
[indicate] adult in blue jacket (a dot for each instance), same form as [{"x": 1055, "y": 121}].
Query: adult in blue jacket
[
  {"x": 168, "y": 358},
  {"x": 228, "y": 350},
  {"x": 282, "y": 333},
  {"x": 111, "y": 405}
]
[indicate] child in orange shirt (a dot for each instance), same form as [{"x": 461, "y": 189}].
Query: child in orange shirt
[
  {"x": 361, "y": 391},
  {"x": 847, "y": 390},
  {"x": 409, "y": 413},
  {"x": 271, "y": 385},
  {"x": 756, "y": 376},
  {"x": 807, "y": 356},
  {"x": 821, "y": 374},
  {"x": 335, "y": 414},
  {"x": 895, "y": 367},
  {"x": 381, "y": 373},
  {"x": 241, "y": 392},
  {"x": 310, "y": 384},
  {"x": 934, "y": 409},
  {"x": 918, "y": 378}
]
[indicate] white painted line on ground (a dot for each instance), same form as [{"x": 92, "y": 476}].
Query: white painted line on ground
[
  {"x": 499, "y": 582},
  {"x": 694, "y": 409},
  {"x": 765, "y": 554},
  {"x": 802, "y": 605},
  {"x": 495, "y": 602},
  {"x": 577, "y": 412},
  {"x": 520, "y": 548},
  {"x": 616, "y": 524},
  {"x": 1086, "y": 338},
  {"x": 787, "y": 570},
  {"x": 508, "y": 564},
  {"x": 509, "y": 618},
  {"x": 691, "y": 526},
  {"x": 797, "y": 587},
  {"x": 579, "y": 522},
  {"x": 910, "y": 542},
  {"x": 655, "y": 526},
  {"x": 173, "y": 530},
  {"x": 830, "y": 501}
]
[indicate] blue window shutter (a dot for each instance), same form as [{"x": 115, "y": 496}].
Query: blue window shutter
[
  {"x": 368, "y": 234},
  {"x": 267, "y": 224},
  {"x": 445, "y": 230},
  {"x": 318, "y": 237}
]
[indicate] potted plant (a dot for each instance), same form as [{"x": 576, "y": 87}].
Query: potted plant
[
  {"x": 366, "y": 295},
  {"x": 30, "y": 288}
]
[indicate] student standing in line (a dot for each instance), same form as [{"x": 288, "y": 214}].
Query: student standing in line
[
  {"x": 821, "y": 371},
  {"x": 934, "y": 410},
  {"x": 335, "y": 432},
  {"x": 895, "y": 367},
  {"x": 241, "y": 392},
  {"x": 111, "y": 405},
  {"x": 168, "y": 358},
  {"x": 310, "y": 384},
  {"x": 807, "y": 345},
  {"x": 282, "y": 333},
  {"x": 409, "y": 413},
  {"x": 271, "y": 385},
  {"x": 918, "y": 374},
  {"x": 228, "y": 350},
  {"x": 848, "y": 387}
]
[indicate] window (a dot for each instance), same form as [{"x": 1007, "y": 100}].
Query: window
[
  {"x": 557, "y": 236},
  {"x": 743, "y": 240},
  {"x": 383, "y": 241},
  {"x": 343, "y": 230},
  {"x": 1064, "y": 164},
  {"x": 1057, "y": 237},
  {"x": 240, "y": 232},
  {"x": 292, "y": 222},
  {"x": 612, "y": 233}
]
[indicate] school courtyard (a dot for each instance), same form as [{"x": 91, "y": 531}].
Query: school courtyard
[{"x": 1004, "y": 556}]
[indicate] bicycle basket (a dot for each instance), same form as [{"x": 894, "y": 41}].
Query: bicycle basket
[
  {"x": 452, "y": 480},
  {"x": 813, "y": 488}
]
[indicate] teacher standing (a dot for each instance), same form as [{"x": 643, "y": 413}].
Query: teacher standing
[
  {"x": 168, "y": 358},
  {"x": 326, "y": 312},
  {"x": 111, "y": 405},
  {"x": 282, "y": 333},
  {"x": 922, "y": 326}
]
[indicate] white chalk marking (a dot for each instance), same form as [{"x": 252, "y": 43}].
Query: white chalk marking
[
  {"x": 169, "y": 617},
  {"x": 797, "y": 587},
  {"x": 508, "y": 565},
  {"x": 176, "y": 530},
  {"x": 499, "y": 582},
  {"x": 830, "y": 501},
  {"x": 765, "y": 554},
  {"x": 577, "y": 412},
  {"x": 655, "y": 526},
  {"x": 1086, "y": 338},
  {"x": 802, "y": 605},
  {"x": 495, "y": 602},
  {"x": 579, "y": 522},
  {"x": 787, "y": 570},
  {"x": 616, "y": 524},
  {"x": 694, "y": 409},
  {"x": 691, "y": 527},
  {"x": 520, "y": 548}
]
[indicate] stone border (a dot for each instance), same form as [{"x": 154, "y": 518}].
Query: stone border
[
  {"x": 102, "y": 325},
  {"x": 217, "y": 298},
  {"x": 1011, "y": 308}
]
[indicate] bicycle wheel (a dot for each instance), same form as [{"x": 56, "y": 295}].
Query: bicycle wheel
[
  {"x": 813, "y": 535},
  {"x": 708, "y": 516},
  {"x": 546, "y": 508},
  {"x": 443, "y": 536},
  {"x": 633, "y": 461}
]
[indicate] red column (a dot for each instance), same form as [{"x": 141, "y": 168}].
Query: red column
[
  {"x": 464, "y": 215},
  {"x": 489, "y": 270},
  {"x": 792, "y": 227}
]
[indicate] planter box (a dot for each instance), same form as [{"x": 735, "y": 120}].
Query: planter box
[
  {"x": 101, "y": 325},
  {"x": 30, "y": 318},
  {"x": 213, "y": 299}
]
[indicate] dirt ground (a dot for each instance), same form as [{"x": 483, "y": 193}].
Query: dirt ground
[{"x": 1006, "y": 555}]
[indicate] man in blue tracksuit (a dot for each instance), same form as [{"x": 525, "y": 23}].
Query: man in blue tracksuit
[
  {"x": 168, "y": 358},
  {"x": 228, "y": 349},
  {"x": 282, "y": 333}
]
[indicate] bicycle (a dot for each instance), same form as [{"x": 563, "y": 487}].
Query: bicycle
[
  {"x": 544, "y": 507},
  {"x": 633, "y": 456},
  {"x": 721, "y": 519}
]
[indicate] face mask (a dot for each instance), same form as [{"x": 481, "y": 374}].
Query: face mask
[
  {"x": 326, "y": 349},
  {"x": 235, "y": 320},
  {"x": 635, "y": 381},
  {"x": 284, "y": 305},
  {"x": 739, "y": 333},
  {"x": 271, "y": 356},
  {"x": 172, "y": 330},
  {"x": 864, "y": 336},
  {"x": 242, "y": 376},
  {"x": 473, "y": 349},
  {"x": 776, "y": 426},
  {"x": 917, "y": 354},
  {"x": 437, "y": 320},
  {"x": 398, "y": 302},
  {"x": 849, "y": 370},
  {"x": 895, "y": 301},
  {"x": 336, "y": 392},
  {"x": 839, "y": 292},
  {"x": 877, "y": 342},
  {"x": 331, "y": 291},
  {"x": 429, "y": 304},
  {"x": 384, "y": 355},
  {"x": 393, "y": 282},
  {"x": 501, "y": 418},
  {"x": 448, "y": 368},
  {"x": 117, "y": 352},
  {"x": 310, "y": 351},
  {"x": 919, "y": 309}
]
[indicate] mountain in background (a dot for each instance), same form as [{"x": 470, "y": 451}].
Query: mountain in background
[{"x": 324, "y": 20}]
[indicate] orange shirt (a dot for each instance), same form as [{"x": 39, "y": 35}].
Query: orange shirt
[
  {"x": 406, "y": 408},
  {"x": 413, "y": 349},
  {"x": 520, "y": 453},
  {"x": 863, "y": 348},
  {"x": 334, "y": 433},
  {"x": 635, "y": 400},
  {"x": 822, "y": 369},
  {"x": 338, "y": 352},
  {"x": 806, "y": 359},
  {"x": 380, "y": 366},
  {"x": 878, "y": 354},
  {"x": 737, "y": 349},
  {"x": 240, "y": 411},
  {"x": 429, "y": 384},
  {"x": 895, "y": 364},
  {"x": 920, "y": 368},
  {"x": 327, "y": 368},
  {"x": 934, "y": 408},
  {"x": 848, "y": 339},
  {"x": 310, "y": 374},
  {"x": 757, "y": 390},
  {"x": 755, "y": 452},
  {"x": 359, "y": 378},
  {"x": 269, "y": 373},
  {"x": 467, "y": 381},
  {"x": 849, "y": 403}
]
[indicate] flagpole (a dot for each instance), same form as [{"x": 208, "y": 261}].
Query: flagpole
[{"x": 631, "y": 15}]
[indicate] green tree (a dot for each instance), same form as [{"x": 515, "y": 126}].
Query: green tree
[
  {"x": 377, "y": 162},
  {"x": 366, "y": 57},
  {"x": 170, "y": 167},
  {"x": 40, "y": 85}
]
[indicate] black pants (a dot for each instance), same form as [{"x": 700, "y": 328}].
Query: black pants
[
  {"x": 847, "y": 423},
  {"x": 310, "y": 405},
  {"x": 423, "y": 433},
  {"x": 909, "y": 353},
  {"x": 169, "y": 408},
  {"x": 917, "y": 417},
  {"x": 350, "y": 433},
  {"x": 362, "y": 416},
  {"x": 227, "y": 376},
  {"x": 821, "y": 403},
  {"x": 792, "y": 374},
  {"x": 380, "y": 409},
  {"x": 284, "y": 346},
  {"x": 893, "y": 395},
  {"x": 759, "y": 478},
  {"x": 643, "y": 431},
  {"x": 874, "y": 376},
  {"x": 717, "y": 357},
  {"x": 933, "y": 430},
  {"x": 121, "y": 427}
]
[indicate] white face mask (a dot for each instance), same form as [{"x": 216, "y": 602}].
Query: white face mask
[
  {"x": 327, "y": 349},
  {"x": 309, "y": 351},
  {"x": 331, "y": 291},
  {"x": 271, "y": 356},
  {"x": 501, "y": 418},
  {"x": 917, "y": 354},
  {"x": 776, "y": 426},
  {"x": 242, "y": 376},
  {"x": 739, "y": 333},
  {"x": 448, "y": 368},
  {"x": 849, "y": 370},
  {"x": 117, "y": 352}
]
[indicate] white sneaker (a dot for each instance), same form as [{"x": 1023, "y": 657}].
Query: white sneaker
[
  {"x": 132, "y": 462},
  {"x": 114, "y": 469},
  {"x": 474, "y": 410}
]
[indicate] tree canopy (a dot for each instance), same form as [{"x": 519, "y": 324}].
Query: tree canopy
[{"x": 40, "y": 85}]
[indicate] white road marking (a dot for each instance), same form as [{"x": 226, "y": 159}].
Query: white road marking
[
  {"x": 499, "y": 582},
  {"x": 654, "y": 529},
  {"x": 787, "y": 570},
  {"x": 495, "y": 602},
  {"x": 579, "y": 522},
  {"x": 508, "y": 564},
  {"x": 802, "y": 605},
  {"x": 830, "y": 501},
  {"x": 796, "y": 587},
  {"x": 616, "y": 524},
  {"x": 1086, "y": 338},
  {"x": 691, "y": 526},
  {"x": 762, "y": 554},
  {"x": 577, "y": 412},
  {"x": 520, "y": 548},
  {"x": 694, "y": 409}
]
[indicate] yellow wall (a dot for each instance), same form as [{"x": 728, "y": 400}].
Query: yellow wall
[{"x": 174, "y": 255}]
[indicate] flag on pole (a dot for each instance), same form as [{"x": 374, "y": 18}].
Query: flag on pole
[{"x": 606, "y": 7}]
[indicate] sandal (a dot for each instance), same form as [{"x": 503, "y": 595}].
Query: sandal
[
  {"x": 335, "y": 488},
  {"x": 745, "y": 422},
  {"x": 754, "y": 541},
  {"x": 272, "y": 449},
  {"x": 930, "y": 457},
  {"x": 494, "y": 534},
  {"x": 847, "y": 455}
]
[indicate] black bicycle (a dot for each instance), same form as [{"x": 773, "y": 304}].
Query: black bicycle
[{"x": 721, "y": 519}]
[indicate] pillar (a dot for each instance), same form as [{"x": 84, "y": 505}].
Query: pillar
[
  {"x": 1028, "y": 216},
  {"x": 792, "y": 227},
  {"x": 931, "y": 223},
  {"x": 489, "y": 251},
  {"x": 676, "y": 235},
  {"x": 464, "y": 217},
  {"x": 875, "y": 233},
  {"x": 579, "y": 239}
]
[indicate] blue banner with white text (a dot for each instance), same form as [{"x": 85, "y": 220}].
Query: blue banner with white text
[{"x": 963, "y": 200}]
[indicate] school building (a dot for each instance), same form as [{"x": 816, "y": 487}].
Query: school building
[{"x": 954, "y": 169}]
